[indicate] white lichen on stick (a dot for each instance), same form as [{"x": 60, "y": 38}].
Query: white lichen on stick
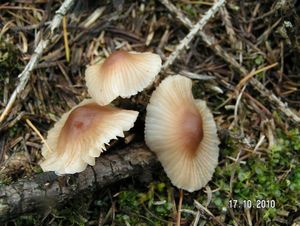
[
  {"x": 193, "y": 31},
  {"x": 59, "y": 14},
  {"x": 42, "y": 45}
]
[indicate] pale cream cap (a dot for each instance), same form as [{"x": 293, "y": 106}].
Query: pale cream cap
[
  {"x": 182, "y": 132},
  {"x": 81, "y": 135},
  {"x": 121, "y": 74}
]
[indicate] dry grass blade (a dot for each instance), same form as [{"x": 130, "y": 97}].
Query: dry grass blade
[
  {"x": 39, "y": 134},
  {"x": 249, "y": 76},
  {"x": 66, "y": 42}
]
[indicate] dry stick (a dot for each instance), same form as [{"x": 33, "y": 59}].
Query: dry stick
[
  {"x": 193, "y": 31},
  {"x": 59, "y": 14},
  {"x": 25, "y": 74},
  {"x": 46, "y": 190},
  {"x": 212, "y": 43}
]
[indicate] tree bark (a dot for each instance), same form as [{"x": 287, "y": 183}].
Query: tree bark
[{"x": 49, "y": 190}]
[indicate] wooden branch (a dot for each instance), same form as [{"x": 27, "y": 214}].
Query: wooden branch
[
  {"x": 193, "y": 31},
  {"x": 47, "y": 190},
  {"x": 43, "y": 43},
  {"x": 213, "y": 44}
]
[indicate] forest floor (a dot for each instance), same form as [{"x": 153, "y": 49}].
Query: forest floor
[{"x": 260, "y": 140}]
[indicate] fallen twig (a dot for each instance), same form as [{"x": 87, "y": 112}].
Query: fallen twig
[
  {"x": 59, "y": 14},
  {"x": 43, "y": 43},
  {"x": 46, "y": 190},
  {"x": 193, "y": 31}
]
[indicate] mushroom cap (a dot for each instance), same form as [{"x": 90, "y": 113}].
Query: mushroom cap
[
  {"x": 182, "y": 132},
  {"x": 81, "y": 135},
  {"x": 121, "y": 74}
]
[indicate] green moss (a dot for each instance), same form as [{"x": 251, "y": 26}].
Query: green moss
[
  {"x": 259, "y": 60},
  {"x": 190, "y": 10},
  {"x": 275, "y": 176},
  {"x": 5, "y": 180},
  {"x": 9, "y": 56},
  {"x": 151, "y": 206}
]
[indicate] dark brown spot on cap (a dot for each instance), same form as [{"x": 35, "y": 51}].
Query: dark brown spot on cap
[{"x": 191, "y": 131}]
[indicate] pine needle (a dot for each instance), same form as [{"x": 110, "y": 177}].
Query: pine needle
[
  {"x": 66, "y": 42},
  {"x": 38, "y": 133}
]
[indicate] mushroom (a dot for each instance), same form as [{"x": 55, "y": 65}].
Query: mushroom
[
  {"x": 182, "y": 133},
  {"x": 81, "y": 135},
  {"x": 121, "y": 74}
]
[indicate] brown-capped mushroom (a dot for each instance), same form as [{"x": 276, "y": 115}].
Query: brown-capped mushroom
[
  {"x": 121, "y": 74},
  {"x": 81, "y": 135},
  {"x": 182, "y": 132}
]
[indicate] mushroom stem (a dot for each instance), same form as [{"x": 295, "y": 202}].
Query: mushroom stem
[{"x": 178, "y": 221}]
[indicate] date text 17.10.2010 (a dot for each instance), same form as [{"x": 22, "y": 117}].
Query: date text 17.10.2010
[{"x": 258, "y": 204}]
